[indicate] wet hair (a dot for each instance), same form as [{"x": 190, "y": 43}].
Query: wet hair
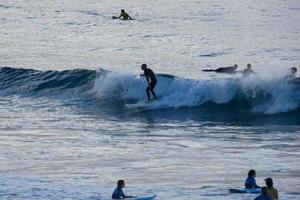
[
  {"x": 122, "y": 10},
  {"x": 294, "y": 69},
  {"x": 264, "y": 191},
  {"x": 144, "y": 65},
  {"x": 251, "y": 173},
  {"x": 269, "y": 182},
  {"x": 249, "y": 65},
  {"x": 121, "y": 183}
]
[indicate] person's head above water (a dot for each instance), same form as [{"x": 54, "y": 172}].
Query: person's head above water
[
  {"x": 143, "y": 66},
  {"x": 122, "y": 11},
  {"x": 251, "y": 173},
  {"x": 235, "y": 66},
  {"x": 269, "y": 182},
  {"x": 121, "y": 183},
  {"x": 264, "y": 191},
  {"x": 293, "y": 70},
  {"x": 249, "y": 66}
]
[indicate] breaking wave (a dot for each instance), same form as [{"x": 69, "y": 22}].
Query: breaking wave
[{"x": 249, "y": 95}]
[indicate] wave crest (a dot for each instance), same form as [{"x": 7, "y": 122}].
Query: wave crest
[{"x": 255, "y": 95}]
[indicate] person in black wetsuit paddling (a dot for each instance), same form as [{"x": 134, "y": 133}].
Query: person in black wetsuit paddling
[
  {"x": 229, "y": 70},
  {"x": 151, "y": 79}
]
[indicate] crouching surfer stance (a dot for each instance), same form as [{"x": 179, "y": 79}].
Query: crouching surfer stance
[{"x": 151, "y": 79}]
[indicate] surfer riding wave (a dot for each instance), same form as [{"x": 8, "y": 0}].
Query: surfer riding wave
[{"x": 151, "y": 80}]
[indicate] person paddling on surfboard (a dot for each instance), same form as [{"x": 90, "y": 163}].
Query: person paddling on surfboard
[
  {"x": 118, "y": 192},
  {"x": 151, "y": 79},
  {"x": 123, "y": 16},
  {"x": 229, "y": 70}
]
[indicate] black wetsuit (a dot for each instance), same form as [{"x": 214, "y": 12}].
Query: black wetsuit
[
  {"x": 125, "y": 16},
  {"x": 229, "y": 70},
  {"x": 226, "y": 69},
  {"x": 151, "y": 79}
]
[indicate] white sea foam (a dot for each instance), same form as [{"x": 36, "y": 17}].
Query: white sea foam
[{"x": 263, "y": 95}]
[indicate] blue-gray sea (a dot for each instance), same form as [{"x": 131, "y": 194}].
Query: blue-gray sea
[{"x": 68, "y": 72}]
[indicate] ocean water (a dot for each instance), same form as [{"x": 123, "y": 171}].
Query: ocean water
[{"x": 68, "y": 70}]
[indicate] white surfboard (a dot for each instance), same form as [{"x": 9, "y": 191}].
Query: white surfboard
[
  {"x": 245, "y": 190},
  {"x": 144, "y": 198}
]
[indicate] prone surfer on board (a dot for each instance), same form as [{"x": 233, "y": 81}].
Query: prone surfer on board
[
  {"x": 151, "y": 80},
  {"x": 229, "y": 70}
]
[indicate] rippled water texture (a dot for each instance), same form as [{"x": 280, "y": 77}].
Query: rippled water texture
[{"x": 65, "y": 129}]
